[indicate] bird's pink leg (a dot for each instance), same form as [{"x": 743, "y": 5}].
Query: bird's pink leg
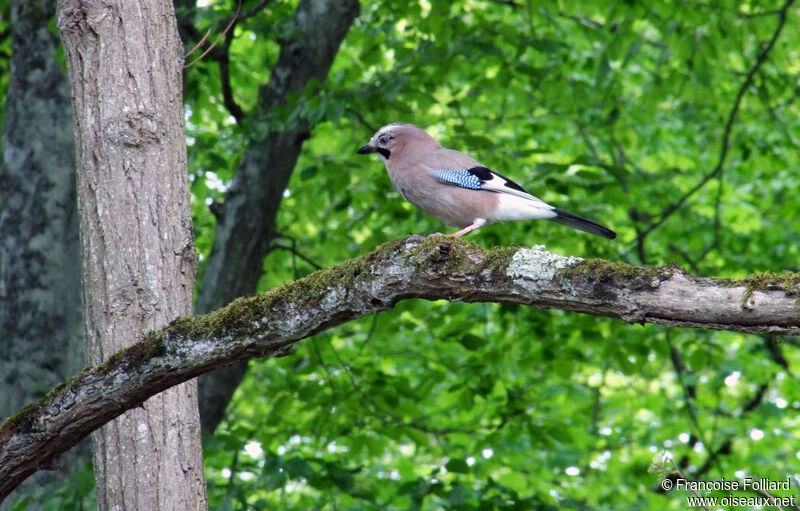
[{"x": 475, "y": 224}]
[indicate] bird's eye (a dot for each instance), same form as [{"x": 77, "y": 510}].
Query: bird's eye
[{"x": 383, "y": 140}]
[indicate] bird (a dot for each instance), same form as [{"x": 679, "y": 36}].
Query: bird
[{"x": 455, "y": 188}]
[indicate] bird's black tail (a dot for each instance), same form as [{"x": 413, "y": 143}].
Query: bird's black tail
[{"x": 577, "y": 222}]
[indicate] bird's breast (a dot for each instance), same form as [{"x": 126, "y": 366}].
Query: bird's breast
[{"x": 450, "y": 204}]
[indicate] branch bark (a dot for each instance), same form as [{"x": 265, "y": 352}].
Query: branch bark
[{"x": 432, "y": 268}]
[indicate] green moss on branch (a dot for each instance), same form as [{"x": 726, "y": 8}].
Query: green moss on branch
[{"x": 635, "y": 277}]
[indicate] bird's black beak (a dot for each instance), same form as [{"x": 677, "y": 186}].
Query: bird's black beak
[{"x": 366, "y": 149}]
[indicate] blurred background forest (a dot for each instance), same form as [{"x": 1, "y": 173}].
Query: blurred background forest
[{"x": 675, "y": 123}]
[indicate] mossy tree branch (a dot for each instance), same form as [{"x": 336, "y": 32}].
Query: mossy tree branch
[{"x": 430, "y": 268}]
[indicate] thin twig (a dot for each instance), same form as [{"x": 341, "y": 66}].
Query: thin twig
[
  {"x": 230, "y": 25},
  {"x": 224, "y": 62},
  {"x": 736, "y": 12},
  {"x": 297, "y": 253},
  {"x": 254, "y": 10},
  {"x": 361, "y": 119},
  {"x": 691, "y": 488},
  {"x": 397, "y": 421},
  {"x": 510, "y": 3},
  {"x": 223, "y": 59},
  {"x": 773, "y": 500},
  {"x": 221, "y": 54},
  {"x": 198, "y": 45},
  {"x": 689, "y": 391},
  {"x": 724, "y": 449},
  {"x": 370, "y": 333},
  {"x": 775, "y": 352},
  {"x": 692, "y": 264},
  {"x": 234, "y": 470},
  {"x": 726, "y": 135}
]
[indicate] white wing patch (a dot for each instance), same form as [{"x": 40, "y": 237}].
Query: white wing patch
[
  {"x": 499, "y": 184},
  {"x": 515, "y": 207}
]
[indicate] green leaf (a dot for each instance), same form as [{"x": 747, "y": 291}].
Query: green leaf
[
  {"x": 457, "y": 465},
  {"x": 297, "y": 467},
  {"x": 309, "y": 172},
  {"x": 471, "y": 342}
]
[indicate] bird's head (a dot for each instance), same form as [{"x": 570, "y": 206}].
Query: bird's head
[{"x": 391, "y": 140}]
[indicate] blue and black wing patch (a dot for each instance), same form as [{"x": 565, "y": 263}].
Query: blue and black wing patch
[
  {"x": 461, "y": 177},
  {"x": 475, "y": 179}
]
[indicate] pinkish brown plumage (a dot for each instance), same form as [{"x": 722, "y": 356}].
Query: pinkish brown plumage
[{"x": 457, "y": 189}]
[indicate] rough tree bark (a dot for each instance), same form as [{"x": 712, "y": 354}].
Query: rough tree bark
[
  {"x": 414, "y": 267},
  {"x": 243, "y": 238},
  {"x": 40, "y": 315},
  {"x": 39, "y": 257},
  {"x": 138, "y": 260}
]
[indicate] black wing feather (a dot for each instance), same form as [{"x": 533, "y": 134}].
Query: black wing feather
[{"x": 485, "y": 174}]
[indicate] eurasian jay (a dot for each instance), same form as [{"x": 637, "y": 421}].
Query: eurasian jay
[{"x": 456, "y": 189}]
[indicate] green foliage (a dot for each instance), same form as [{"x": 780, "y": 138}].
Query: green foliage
[
  {"x": 5, "y": 51},
  {"x": 76, "y": 492},
  {"x": 612, "y": 110}
]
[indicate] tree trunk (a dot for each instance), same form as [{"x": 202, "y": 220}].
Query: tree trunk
[
  {"x": 40, "y": 315},
  {"x": 138, "y": 259},
  {"x": 243, "y": 239}
]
